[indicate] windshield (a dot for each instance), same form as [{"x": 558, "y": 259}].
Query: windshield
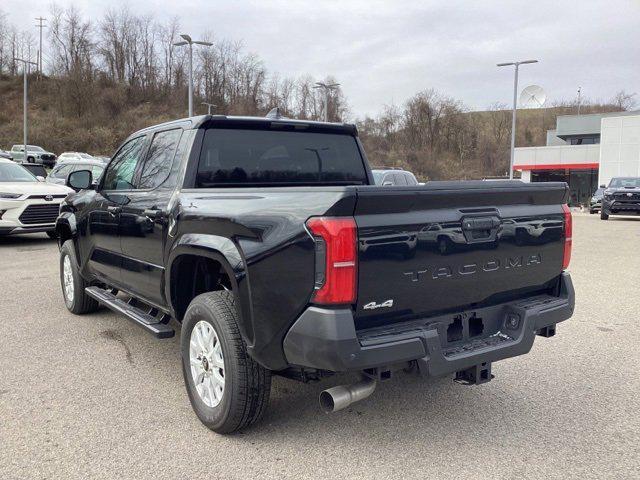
[
  {"x": 34, "y": 148},
  {"x": 625, "y": 183},
  {"x": 12, "y": 172},
  {"x": 599, "y": 192},
  {"x": 377, "y": 177}
]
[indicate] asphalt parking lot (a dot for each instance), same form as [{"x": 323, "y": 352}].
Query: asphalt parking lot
[{"x": 95, "y": 396}]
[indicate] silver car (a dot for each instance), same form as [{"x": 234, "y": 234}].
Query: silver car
[
  {"x": 35, "y": 154},
  {"x": 61, "y": 172}
]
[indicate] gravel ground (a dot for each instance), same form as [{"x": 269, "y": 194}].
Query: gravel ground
[{"x": 96, "y": 397}]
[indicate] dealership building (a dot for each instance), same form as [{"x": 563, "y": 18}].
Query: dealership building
[{"x": 585, "y": 151}]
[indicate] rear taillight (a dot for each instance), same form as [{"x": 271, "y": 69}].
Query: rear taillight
[
  {"x": 568, "y": 233},
  {"x": 336, "y": 261}
]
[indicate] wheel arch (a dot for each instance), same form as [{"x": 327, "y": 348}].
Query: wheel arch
[{"x": 198, "y": 263}]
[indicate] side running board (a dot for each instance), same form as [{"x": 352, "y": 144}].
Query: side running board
[{"x": 152, "y": 321}]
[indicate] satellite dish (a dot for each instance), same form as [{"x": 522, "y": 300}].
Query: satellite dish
[{"x": 533, "y": 96}]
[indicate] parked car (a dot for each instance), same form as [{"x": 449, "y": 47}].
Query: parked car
[
  {"x": 38, "y": 170},
  {"x": 622, "y": 196},
  {"x": 595, "y": 204},
  {"x": 394, "y": 176},
  {"x": 27, "y": 205},
  {"x": 103, "y": 159},
  {"x": 61, "y": 172},
  {"x": 35, "y": 154},
  {"x": 6, "y": 155},
  {"x": 255, "y": 235},
  {"x": 66, "y": 156}
]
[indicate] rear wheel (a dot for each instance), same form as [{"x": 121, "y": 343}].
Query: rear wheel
[
  {"x": 31, "y": 160},
  {"x": 228, "y": 390},
  {"x": 73, "y": 285},
  {"x": 603, "y": 216}
]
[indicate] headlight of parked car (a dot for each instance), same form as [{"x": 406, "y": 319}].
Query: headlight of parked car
[{"x": 10, "y": 195}]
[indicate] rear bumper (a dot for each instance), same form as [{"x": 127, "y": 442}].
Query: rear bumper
[{"x": 327, "y": 340}]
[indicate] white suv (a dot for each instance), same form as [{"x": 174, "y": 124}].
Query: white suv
[{"x": 27, "y": 205}]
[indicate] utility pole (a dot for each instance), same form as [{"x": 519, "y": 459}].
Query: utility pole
[
  {"x": 327, "y": 88},
  {"x": 188, "y": 41},
  {"x": 25, "y": 66},
  {"x": 515, "y": 107},
  {"x": 579, "y": 98},
  {"x": 209, "y": 106},
  {"x": 40, "y": 26}
]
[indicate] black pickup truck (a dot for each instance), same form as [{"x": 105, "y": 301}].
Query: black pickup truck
[{"x": 268, "y": 242}]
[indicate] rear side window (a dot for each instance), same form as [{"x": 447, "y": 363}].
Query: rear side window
[
  {"x": 234, "y": 157},
  {"x": 159, "y": 159}
]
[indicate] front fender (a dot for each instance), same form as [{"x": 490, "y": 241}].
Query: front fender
[{"x": 225, "y": 252}]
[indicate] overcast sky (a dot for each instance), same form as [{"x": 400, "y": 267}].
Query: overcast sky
[{"x": 383, "y": 52}]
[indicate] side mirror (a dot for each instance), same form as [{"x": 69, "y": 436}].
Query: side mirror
[
  {"x": 79, "y": 180},
  {"x": 40, "y": 178},
  {"x": 603, "y": 186}
]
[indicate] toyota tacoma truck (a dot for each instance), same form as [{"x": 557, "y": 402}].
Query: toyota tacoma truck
[
  {"x": 267, "y": 242},
  {"x": 621, "y": 197}
]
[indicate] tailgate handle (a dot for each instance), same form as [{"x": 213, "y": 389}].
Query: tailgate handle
[{"x": 481, "y": 229}]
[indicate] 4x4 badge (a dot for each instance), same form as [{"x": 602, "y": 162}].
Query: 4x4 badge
[{"x": 374, "y": 305}]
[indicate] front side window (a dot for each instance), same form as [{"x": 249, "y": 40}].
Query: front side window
[
  {"x": 238, "y": 157},
  {"x": 159, "y": 159},
  {"x": 121, "y": 170}
]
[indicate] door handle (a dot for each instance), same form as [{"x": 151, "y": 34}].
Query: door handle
[{"x": 114, "y": 210}]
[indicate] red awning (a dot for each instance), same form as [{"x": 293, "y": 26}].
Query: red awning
[{"x": 558, "y": 166}]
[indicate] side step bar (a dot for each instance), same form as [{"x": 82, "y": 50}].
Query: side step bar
[{"x": 156, "y": 326}]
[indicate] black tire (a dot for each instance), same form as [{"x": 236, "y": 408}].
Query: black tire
[
  {"x": 247, "y": 384},
  {"x": 591, "y": 211},
  {"x": 81, "y": 302},
  {"x": 31, "y": 160},
  {"x": 52, "y": 234},
  {"x": 603, "y": 216}
]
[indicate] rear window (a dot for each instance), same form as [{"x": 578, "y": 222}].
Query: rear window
[{"x": 233, "y": 157}]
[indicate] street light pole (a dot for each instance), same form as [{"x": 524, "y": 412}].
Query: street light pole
[
  {"x": 515, "y": 107},
  {"x": 25, "y": 66},
  {"x": 209, "y": 106},
  {"x": 188, "y": 41},
  {"x": 327, "y": 88}
]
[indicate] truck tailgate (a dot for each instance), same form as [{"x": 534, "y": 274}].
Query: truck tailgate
[{"x": 449, "y": 246}]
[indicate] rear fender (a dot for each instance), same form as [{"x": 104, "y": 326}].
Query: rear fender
[{"x": 225, "y": 252}]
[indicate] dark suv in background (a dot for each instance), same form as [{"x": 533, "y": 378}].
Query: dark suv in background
[{"x": 622, "y": 197}]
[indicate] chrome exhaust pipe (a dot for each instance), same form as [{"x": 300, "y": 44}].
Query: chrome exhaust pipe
[{"x": 337, "y": 398}]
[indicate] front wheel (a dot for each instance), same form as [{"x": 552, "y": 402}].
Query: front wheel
[
  {"x": 52, "y": 234},
  {"x": 227, "y": 389},
  {"x": 73, "y": 285},
  {"x": 603, "y": 216},
  {"x": 31, "y": 160}
]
